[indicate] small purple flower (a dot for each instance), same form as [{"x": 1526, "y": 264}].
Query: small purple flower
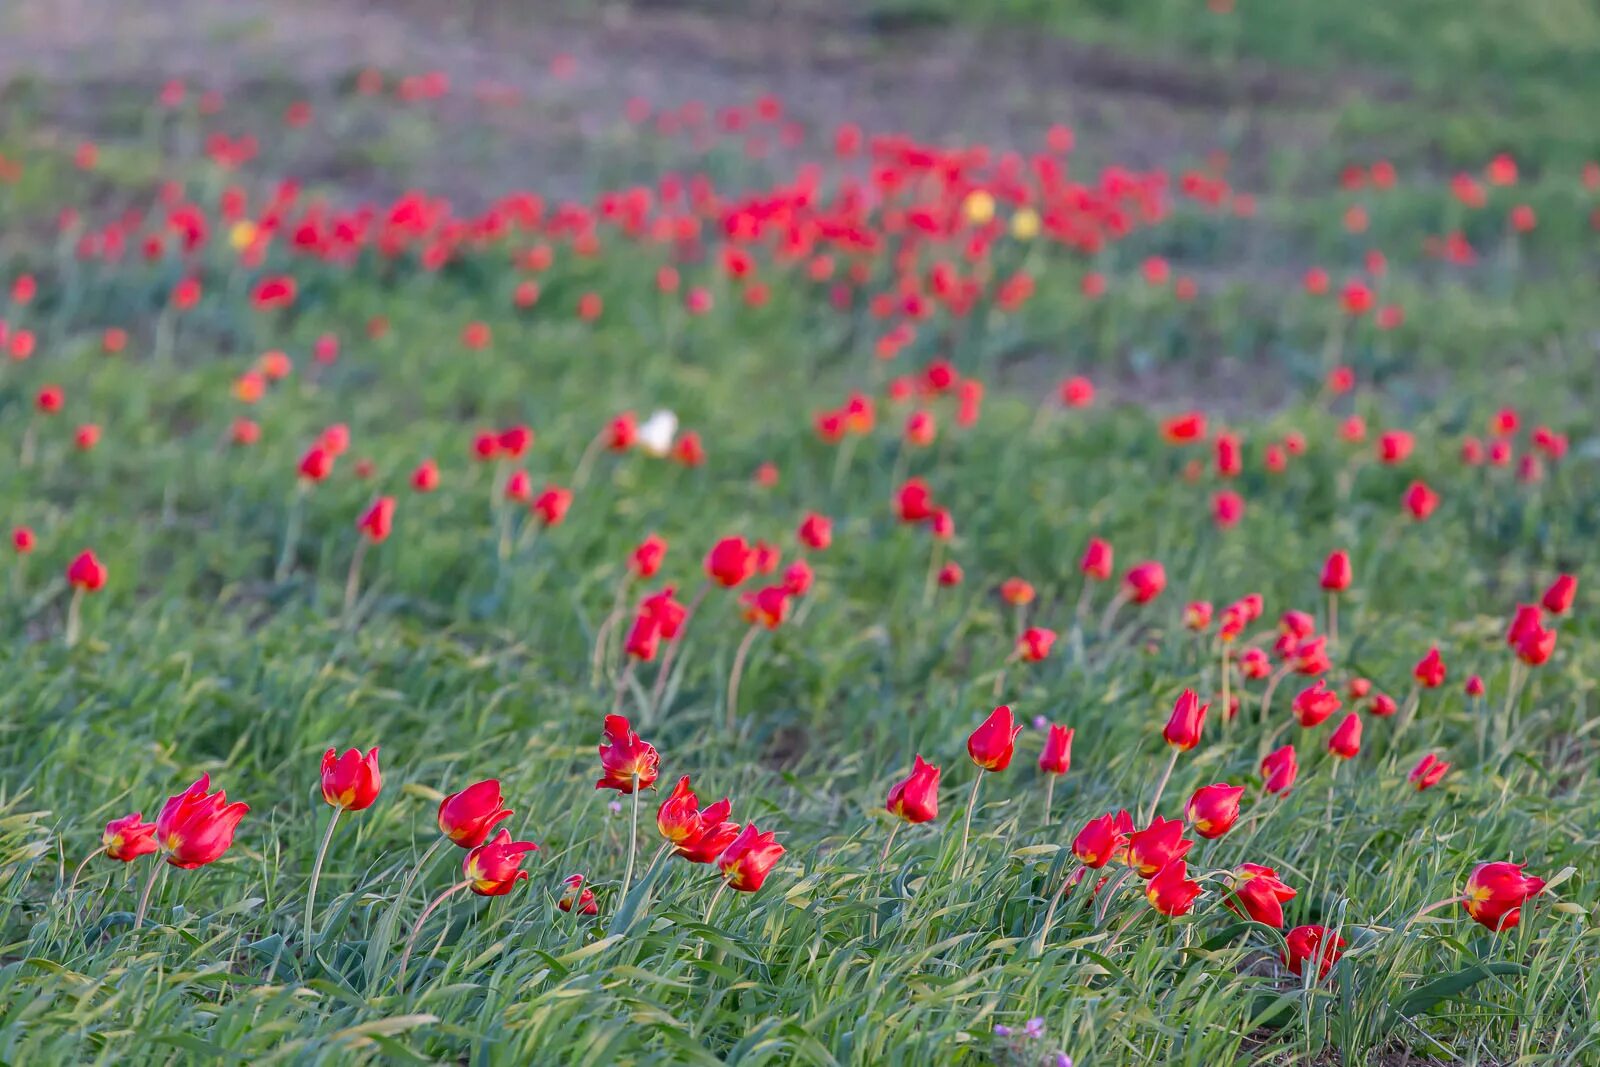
[
  {"x": 1040, "y": 722},
  {"x": 616, "y": 807},
  {"x": 1034, "y": 1028},
  {"x": 1001, "y": 1030},
  {"x": 1063, "y": 1060}
]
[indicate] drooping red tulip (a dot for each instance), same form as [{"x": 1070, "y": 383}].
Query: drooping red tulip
[
  {"x": 1258, "y": 893},
  {"x": 1314, "y": 944},
  {"x": 1186, "y": 722},
  {"x": 626, "y": 762},
  {"x": 128, "y": 838},
  {"x": 1495, "y": 894},
  {"x": 467, "y": 817},
  {"x": 1213, "y": 809},
  {"x": 1171, "y": 891},
  {"x": 916, "y": 797},
  {"x": 576, "y": 895},
  {"x": 1428, "y": 771},
  {"x": 495, "y": 867},
  {"x": 195, "y": 828},
  {"x": 747, "y": 861},
  {"x": 352, "y": 781}
]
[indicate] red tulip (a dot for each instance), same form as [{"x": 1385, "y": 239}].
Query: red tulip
[
  {"x": 920, "y": 429},
  {"x": 551, "y": 505},
  {"x": 1280, "y": 767},
  {"x": 1535, "y": 645},
  {"x": 1057, "y": 755},
  {"x": 1156, "y": 846},
  {"x": 1427, "y": 772},
  {"x": 621, "y": 432},
  {"x": 1420, "y": 501},
  {"x": 495, "y": 867},
  {"x": 22, "y": 540},
  {"x": 577, "y": 895},
  {"x": 916, "y": 798},
  {"x": 1382, "y": 705},
  {"x": 950, "y": 574},
  {"x": 1016, "y": 592},
  {"x": 1311, "y": 657},
  {"x": 1345, "y": 742},
  {"x": 1101, "y": 840},
  {"x": 913, "y": 501},
  {"x": 1558, "y": 598},
  {"x": 275, "y": 291},
  {"x": 1313, "y": 943},
  {"x": 1430, "y": 670},
  {"x": 645, "y": 560},
  {"x": 1187, "y": 721},
  {"x": 467, "y": 817},
  {"x": 627, "y": 763},
  {"x": 1034, "y": 643},
  {"x": 992, "y": 745},
  {"x": 730, "y": 562},
  {"x": 1254, "y": 664},
  {"x": 86, "y": 437},
  {"x": 1213, "y": 809},
  {"x": 768, "y": 606},
  {"x": 1227, "y": 508},
  {"x": 1170, "y": 891},
  {"x": 816, "y": 531},
  {"x": 668, "y": 615},
  {"x": 195, "y": 828},
  {"x": 797, "y": 578},
  {"x": 1230, "y": 462},
  {"x": 1336, "y": 572},
  {"x": 1258, "y": 894},
  {"x": 1197, "y": 615},
  {"x": 351, "y": 781},
  {"x": 49, "y": 399},
  {"x": 316, "y": 464},
  {"x": 86, "y": 572},
  {"x": 1474, "y": 686},
  {"x": 1313, "y": 705},
  {"x": 1097, "y": 560},
  {"x": 128, "y": 838},
  {"x": 518, "y": 487},
  {"x": 1077, "y": 392},
  {"x": 513, "y": 441},
  {"x": 644, "y": 638},
  {"x": 1145, "y": 581},
  {"x": 747, "y": 861},
  {"x": 1394, "y": 446},
  {"x": 1184, "y": 429},
  {"x": 688, "y": 450},
  {"x": 1496, "y": 892},
  {"x": 1527, "y": 617},
  {"x": 425, "y": 479},
  {"x": 378, "y": 520}
]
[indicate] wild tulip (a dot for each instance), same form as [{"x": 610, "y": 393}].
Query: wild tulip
[
  {"x": 1474, "y": 686},
  {"x": 194, "y": 828},
  {"x": 646, "y": 559},
  {"x": 1394, "y": 446},
  {"x": 747, "y": 861},
  {"x": 1345, "y": 742},
  {"x": 1096, "y": 563},
  {"x": 1186, "y": 722},
  {"x": 1016, "y": 592},
  {"x": 1527, "y": 617},
  {"x": 1034, "y": 643},
  {"x": 1496, "y": 892},
  {"x": 991, "y": 747},
  {"x": 1279, "y": 768},
  {"x": 1312, "y": 944},
  {"x": 85, "y": 574},
  {"x": 1213, "y": 809},
  {"x": 1428, "y": 771},
  {"x": 1145, "y": 582},
  {"x": 915, "y": 799},
  {"x": 1557, "y": 599},
  {"x": 797, "y": 578},
  {"x": 128, "y": 838},
  {"x": 1184, "y": 429},
  {"x": 730, "y": 562},
  {"x": 689, "y": 450},
  {"x": 1254, "y": 664},
  {"x": 1535, "y": 645},
  {"x": 1310, "y": 658},
  {"x": 551, "y": 505},
  {"x": 1420, "y": 501},
  {"x": 628, "y": 765},
  {"x": 1336, "y": 573},
  {"x": 1430, "y": 670},
  {"x": 490, "y": 869},
  {"x": 644, "y": 638},
  {"x": 913, "y": 501},
  {"x": 950, "y": 575},
  {"x": 425, "y": 479},
  {"x": 1157, "y": 845},
  {"x": 1258, "y": 894},
  {"x": 815, "y": 532},
  {"x": 1313, "y": 705},
  {"x": 1100, "y": 841},
  {"x": 1230, "y": 462},
  {"x": 622, "y": 432},
  {"x": 577, "y": 896},
  {"x": 1197, "y": 615},
  {"x": 1170, "y": 891},
  {"x": 465, "y": 818},
  {"x": 1056, "y": 759},
  {"x": 350, "y": 782},
  {"x": 1227, "y": 508},
  {"x": 1382, "y": 705},
  {"x": 519, "y": 487}
]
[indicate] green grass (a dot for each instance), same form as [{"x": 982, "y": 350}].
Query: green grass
[{"x": 462, "y": 667}]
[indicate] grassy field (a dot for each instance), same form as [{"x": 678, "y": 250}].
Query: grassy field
[{"x": 189, "y": 334}]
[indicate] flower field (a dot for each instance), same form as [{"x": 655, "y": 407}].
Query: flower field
[{"x": 799, "y": 592}]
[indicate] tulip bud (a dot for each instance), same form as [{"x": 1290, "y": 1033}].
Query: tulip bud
[
  {"x": 495, "y": 867},
  {"x": 1345, "y": 742},
  {"x": 1057, "y": 755},
  {"x": 351, "y": 781},
  {"x": 1280, "y": 768},
  {"x": 1336, "y": 574},
  {"x": 467, "y": 817},
  {"x": 1495, "y": 894},
  {"x": 916, "y": 799},
  {"x": 1315, "y": 944},
  {"x": 1170, "y": 891},
  {"x": 86, "y": 572},
  {"x": 992, "y": 744},
  {"x": 1187, "y": 721},
  {"x": 1427, "y": 772},
  {"x": 747, "y": 861},
  {"x": 1213, "y": 809},
  {"x": 1097, "y": 560},
  {"x": 378, "y": 520}
]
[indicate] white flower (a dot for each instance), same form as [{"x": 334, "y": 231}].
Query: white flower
[{"x": 656, "y": 435}]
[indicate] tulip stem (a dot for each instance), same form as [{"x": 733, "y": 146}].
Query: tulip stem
[
  {"x": 1333, "y": 618},
  {"x": 291, "y": 530},
  {"x": 411, "y": 876},
  {"x": 966, "y": 824},
  {"x": 144, "y": 898},
  {"x": 586, "y": 462},
  {"x": 1272, "y": 685},
  {"x": 713, "y": 905},
  {"x": 1435, "y": 906},
  {"x": 621, "y": 687},
  {"x": 841, "y": 463},
  {"x": 738, "y": 672},
  {"x": 1407, "y": 713},
  {"x": 633, "y": 839},
  {"x": 656, "y": 691},
  {"x": 74, "y": 611},
  {"x": 1110, "y": 892},
  {"x": 79, "y": 872},
  {"x": 316, "y": 871},
  {"x": 1161, "y": 785},
  {"x": 935, "y": 558},
  {"x": 1227, "y": 681},
  {"x": 416, "y": 930},
  {"x": 878, "y": 873},
  {"x": 1049, "y": 795},
  {"x": 1082, "y": 607},
  {"x": 1112, "y": 608},
  {"x": 352, "y": 582},
  {"x": 1050, "y": 912},
  {"x": 602, "y": 637},
  {"x": 1513, "y": 686}
]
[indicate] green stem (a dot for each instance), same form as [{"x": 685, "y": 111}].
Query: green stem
[
  {"x": 1161, "y": 786},
  {"x": 416, "y": 931},
  {"x": 74, "y": 610},
  {"x": 1050, "y": 912},
  {"x": 316, "y": 873},
  {"x": 352, "y": 582},
  {"x": 633, "y": 839},
  {"x": 738, "y": 672},
  {"x": 291, "y": 532},
  {"x": 966, "y": 823},
  {"x": 157, "y": 866}
]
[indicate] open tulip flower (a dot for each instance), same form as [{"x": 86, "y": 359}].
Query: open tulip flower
[
  {"x": 575, "y": 896},
  {"x": 916, "y": 798},
  {"x": 194, "y": 828},
  {"x": 465, "y": 818},
  {"x": 350, "y": 782},
  {"x": 1213, "y": 809},
  {"x": 128, "y": 838},
  {"x": 1257, "y": 893},
  {"x": 1171, "y": 891},
  {"x": 630, "y": 766},
  {"x": 1316, "y": 945},
  {"x": 1495, "y": 894}
]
